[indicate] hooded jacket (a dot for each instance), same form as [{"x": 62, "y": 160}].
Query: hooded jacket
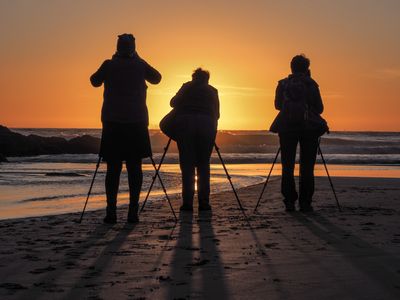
[
  {"x": 197, "y": 98},
  {"x": 125, "y": 88}
]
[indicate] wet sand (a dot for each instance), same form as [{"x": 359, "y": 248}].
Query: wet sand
[{"x": 354, "y": 254}]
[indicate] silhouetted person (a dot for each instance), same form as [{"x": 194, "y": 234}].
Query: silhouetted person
[
  {"x": 124, "y": 116},
  {"x": 299, "y": 101},
  {"x": 197, "y": 107}
]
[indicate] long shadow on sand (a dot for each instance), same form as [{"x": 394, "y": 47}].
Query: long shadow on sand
[
  {"x": 380, "y": 266},
  {"x": 269, "y": 267},
  {"x": 181, "y": 285},
  {"x": 212, "y": 274},
  {"x": 71, "y": 263},
  {"x": 96, "y": 270},
  {"x": 187, "y": 265}
]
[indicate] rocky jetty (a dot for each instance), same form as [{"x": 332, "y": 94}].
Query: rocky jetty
[
  {"x": 3, "y": 158},
  {"x": 15, "y": 144}
]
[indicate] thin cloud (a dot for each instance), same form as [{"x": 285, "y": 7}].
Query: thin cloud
[
  {"x": 187, "y": 77},
  {"x": 224, "y": 90},
  {"x": 239, "y": 88},
  {"x": 332, "y": 95},
  {"x": 228, "y": 90},
  {"x": 162, "y": 92},
  {"x": 387, "y": 73}
]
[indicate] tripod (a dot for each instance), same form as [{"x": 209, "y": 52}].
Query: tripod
[
  {"x": 230, "y": 181},
  {"x": 90, "y": 189},
  {"x": 159, "y": 167},
  {"x": 154, "y": 177},
  {"x": 326, "y": 169},
  {"x": 157, "y": 174}
]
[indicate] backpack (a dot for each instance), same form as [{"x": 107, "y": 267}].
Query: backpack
[
  {"x": 295, "y": 100},
  {"x": 168, "y": 124}
]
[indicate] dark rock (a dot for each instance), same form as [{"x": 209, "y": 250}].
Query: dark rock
[
  {"x": 12, "y": 286},
  {"x": 4, "y": 130},
  {"x": 3, "y": 158},
  {"x": 84, "y": 144},
  {"x": 15, "y": 144}
]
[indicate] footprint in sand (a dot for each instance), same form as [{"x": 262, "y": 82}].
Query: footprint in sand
[
  {"x": 42, "y": 270},
  {"x": 10, "y": 286},
  {"x": 31, "y": 257},
  {"x": 49, "y": 287}
]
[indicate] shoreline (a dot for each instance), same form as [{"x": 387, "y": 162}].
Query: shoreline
[
  {"x": 232, "y": 158},
  {"x": 176, "y": 196},
  {"x": 215, "y": 160}
]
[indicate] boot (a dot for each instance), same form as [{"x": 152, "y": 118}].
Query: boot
[
  {"x": 187, "y": 204},
  {"x": 111, "y": 215},
  {"x": 186, "y": 207},
  {"x": 204, "y": 205},
  {"x": 133, "y": 217},
  {"x": 305, "y": 205},
  {"x": 289, "y": 205}
]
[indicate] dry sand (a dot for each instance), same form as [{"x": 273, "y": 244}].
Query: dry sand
[{"x": 324, "y": 255}]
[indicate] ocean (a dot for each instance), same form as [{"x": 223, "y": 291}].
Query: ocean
[{"x": 55, "y": 184}]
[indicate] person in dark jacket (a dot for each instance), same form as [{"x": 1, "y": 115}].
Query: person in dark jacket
[
  {"x": 299, "y": 101},
  {"x": 197, "y": 106},
  {"x": 125, "y": 121}
]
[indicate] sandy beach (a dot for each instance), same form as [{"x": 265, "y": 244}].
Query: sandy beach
[{"x": 354, "y": 254}]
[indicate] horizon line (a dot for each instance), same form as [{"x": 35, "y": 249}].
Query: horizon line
[{"x": 158, "y": 129}]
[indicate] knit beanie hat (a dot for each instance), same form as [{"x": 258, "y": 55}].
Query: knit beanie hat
[{"x": 126, "y": 44}]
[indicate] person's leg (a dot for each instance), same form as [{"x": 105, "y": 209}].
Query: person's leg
[
  {"x": 112, "y": 183},
  {"x": 288, "y": 143},
  {"x": 187, "y": 165},
  {"x": 308, "y": 154},
  {"x": 203, "y": 179},
  {"x": 203, "y": 184},
  {"x": 135, "y": 179},
  {"x": 204, "y": 146},
  {"x": 185, "y": 141}
]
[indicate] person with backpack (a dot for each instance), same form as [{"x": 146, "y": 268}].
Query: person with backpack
[
  {"x": 125, "y": 120},
  {"x": 299, "y": 121},
  {"x": 196, "y": 106}
]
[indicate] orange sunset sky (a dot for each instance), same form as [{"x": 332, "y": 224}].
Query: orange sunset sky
[{"x": 50, "y": 48}]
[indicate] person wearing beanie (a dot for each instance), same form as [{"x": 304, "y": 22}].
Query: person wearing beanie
[
  {"x": 124, "y": 116},
  {"x": 299, "y": 121},
  {"x": 126, "y": 45}
]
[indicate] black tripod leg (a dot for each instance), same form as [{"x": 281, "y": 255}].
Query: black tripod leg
[
  {"x": 266, "y": 182},
  {"x": 329, "y": 177},
  {"x": 155, "y": 174},
  {"x": 229, "y": 178},
  {"x": 90, "y": 189},
  {"x": 164, "y": 189},
  {"x": 148, "y": 193}
]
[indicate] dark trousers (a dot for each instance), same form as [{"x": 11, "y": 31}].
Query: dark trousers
[
  {"x": 135, "y": 179},
  {"x": 308, "y": 153},
  {"x": 196, "y": 137}
]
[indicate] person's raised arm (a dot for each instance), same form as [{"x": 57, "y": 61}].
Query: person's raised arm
[
  {"x": 178, "y": 98},
  {"x": 99, "y": 76},
  {"x": 152, "y": 75},
  {"x": 216, "y": 105},
  {"x": 279, "y": 96}
]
